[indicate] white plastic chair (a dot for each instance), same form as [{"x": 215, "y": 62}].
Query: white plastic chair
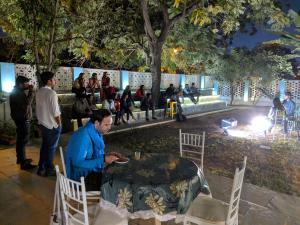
[
  {"x": 196, "y": 141},
  {"x": 76, "y": 210},
  {"x": 205, "y": 210},
  {"x": 90, "y": 194}
]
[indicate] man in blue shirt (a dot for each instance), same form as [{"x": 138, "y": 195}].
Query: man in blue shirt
[
  {"x": 85, "y": 152},
  {"x": 289, "y": 108}
]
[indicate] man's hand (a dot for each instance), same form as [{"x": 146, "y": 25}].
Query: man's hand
[
  {"x": 110, "y": 159},
  {"x": 115, "y": 154}
]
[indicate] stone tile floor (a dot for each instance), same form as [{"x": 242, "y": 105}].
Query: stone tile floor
[{"x": 26, "y": 198}]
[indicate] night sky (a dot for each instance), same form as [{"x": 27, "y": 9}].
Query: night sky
[{"x": 250, "y": 41}]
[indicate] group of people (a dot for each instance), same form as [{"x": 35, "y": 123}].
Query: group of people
[
  {"x": 86, "y": 98},
  {"x": 288, "y": 106},
  {"x": 191, "y": 92},
  {"x": 49, "y": 119}
]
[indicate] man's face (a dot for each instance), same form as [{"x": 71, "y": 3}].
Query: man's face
[
  {"x": 104, "y": 126},
  {"x": 25, "y": 86},
  {"x": 52, "y": 82},
  {"x": 286, "y": 97}
]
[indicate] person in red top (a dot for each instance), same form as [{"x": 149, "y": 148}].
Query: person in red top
[
  {"x": 140, "y": 94},
  {"x": 105, "y": 83}
]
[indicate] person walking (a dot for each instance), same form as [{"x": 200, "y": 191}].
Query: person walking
[
  {"x": 21, "y": 113},
  {"x": 48, "y": 115}
]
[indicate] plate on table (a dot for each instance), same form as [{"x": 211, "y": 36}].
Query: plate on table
[{"x": 122, "y": 160}]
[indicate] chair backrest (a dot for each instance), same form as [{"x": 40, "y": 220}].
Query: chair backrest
[
  {"x": 194, "y": 140},
  {"x": 73, "y": 195},
  {"x": 233, "y": 210},
  {"x": 62, "y": 157}
]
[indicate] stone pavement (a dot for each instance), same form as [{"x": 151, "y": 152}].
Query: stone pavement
[{"x": 26, "y": 198}]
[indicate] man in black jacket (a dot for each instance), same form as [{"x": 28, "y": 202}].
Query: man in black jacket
[{"x": 21, "y": 113}]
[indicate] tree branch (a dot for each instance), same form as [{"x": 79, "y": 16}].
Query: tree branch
[
  {"x": 185, "y": 13},
  {"x": 147, "y": 23},
  {"x": 166, "y": 26}
]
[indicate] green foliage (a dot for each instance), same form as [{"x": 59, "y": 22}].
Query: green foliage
[
  {"x": 290, "y": 39},
  {"x": 190, "y": 48},
  {"x": 7, "y": 127}
]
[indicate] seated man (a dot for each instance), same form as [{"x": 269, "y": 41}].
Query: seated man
[
  {"x": 194, "y": 93},
  {"x": 289, "y": 110},
  {"x": 85, "y": 152},
  {"x": 188, "y": 93},
  {"x": 170, "y": 92}
]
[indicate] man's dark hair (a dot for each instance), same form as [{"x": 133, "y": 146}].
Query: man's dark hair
[
  {"x": 21, "y": 80},
  {"x": 94, "y": 74},
  {"x": 45, "y": 76},
  {"x": 99, "y": 115},
  {"x": 287, "y": 93}
]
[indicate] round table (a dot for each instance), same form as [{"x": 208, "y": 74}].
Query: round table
[{"x": 162, "y": 183}]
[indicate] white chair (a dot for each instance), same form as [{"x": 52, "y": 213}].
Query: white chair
[
  {"x": 91, "y": 195},
  {"x": 205, "y": 210},
  {"x": 75, "y": 208},
  {"x": 196, "y": 141}
]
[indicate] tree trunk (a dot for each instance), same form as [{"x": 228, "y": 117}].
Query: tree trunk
[
  {"x": 231, "y": 92},
  {"x": 35, "y": 48},
  {"x": 50, "y": 60},
  {"x": 156, "y": 50}
]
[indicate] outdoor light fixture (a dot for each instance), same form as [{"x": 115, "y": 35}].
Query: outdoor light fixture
[{"x": 8, "y": 86}]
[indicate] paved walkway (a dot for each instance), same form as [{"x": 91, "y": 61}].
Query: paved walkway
[{"x": 26, "y": 198}]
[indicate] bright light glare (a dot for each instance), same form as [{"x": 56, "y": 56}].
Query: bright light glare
[
  {"x": 260, "y": 123},
  {"x": 237, "y": 133},
  {"x": 8, "y": 86}
]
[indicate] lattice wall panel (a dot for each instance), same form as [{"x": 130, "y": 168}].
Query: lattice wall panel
[
  {"x": 189, "y": 79},
  {"x": 272, "y": 88},
  {"x": 137, "y": 79},
  {"x": 239, "y": 90},
  {"x": 27, "y": 71},
  {"x": 208, "y": 82},
  {"x": 167, "y": 79},
  {"x": 113, "y": 74},
  {"x": 224, "y": 90},
  {"x": 64, "y": 76},
  {"x": 294, "y": 88}
]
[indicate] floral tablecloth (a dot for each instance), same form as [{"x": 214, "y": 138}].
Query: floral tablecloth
[{"x": 159, "y": 182}]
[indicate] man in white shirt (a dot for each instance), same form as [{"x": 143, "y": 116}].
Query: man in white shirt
[{"x": 48, "y": 115}]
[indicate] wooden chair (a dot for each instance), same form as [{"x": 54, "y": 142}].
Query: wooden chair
[
  {"x": 205, "y": 210},
  {"x": 75, "y": 208},
  {"x": 91, "y": 195},
  {"x": 196, "y": 143}
]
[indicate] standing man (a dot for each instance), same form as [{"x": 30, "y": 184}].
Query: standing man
[
  {"x": 289, "y": 109},
  {"x": 48, "y": 115},
  {"x": 21, "y": 113},
  {"x": 85, "y": 152}
]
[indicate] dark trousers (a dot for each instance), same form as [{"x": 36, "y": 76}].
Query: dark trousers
[
  {"x": 50, "y": 139},
  {"x": 23, "y": 132},
  {"x": 93, "y": 181},
  {"x": 117, "y": 117},
  {"x": 146, "y": 109}
]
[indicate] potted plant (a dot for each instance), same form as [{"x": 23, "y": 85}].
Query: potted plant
[{"x": 7, "y": 132}]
